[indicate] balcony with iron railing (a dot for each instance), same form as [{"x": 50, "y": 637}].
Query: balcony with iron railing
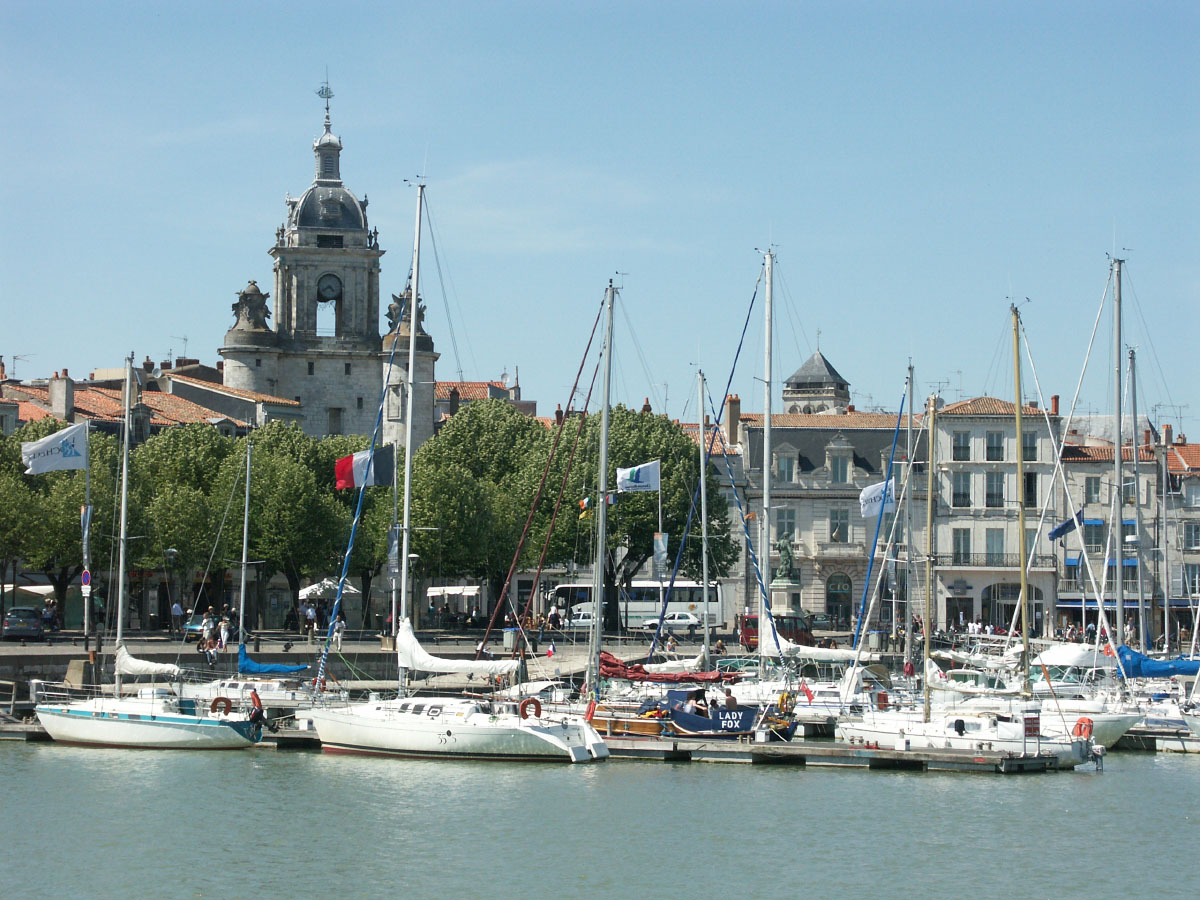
[{"x": 992, "y": 561}]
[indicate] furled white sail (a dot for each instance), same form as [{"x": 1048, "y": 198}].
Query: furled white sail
[
  {"x": 411, "y": 655},
  {"x": 767, "y": 647},
  {"x": 131, "y": 665},
  {"x": 695, "y": 664}
]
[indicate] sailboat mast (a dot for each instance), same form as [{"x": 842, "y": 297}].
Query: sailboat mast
[
  {"x": 409, "y": 388},
  {"x": 121, "y": 561},
  {"x": 245, "y": 546},
  {"x": 765, "y": 540},
  {"x": 414, "y": 319},
  {"x": 908, "y": 525},
  {"x": 593, "y": 666},
  {"x": 703, "y": 514},
  {"x": 1118, "y": 435},
  {"x": 1165, "y": 544},
  {"x": 926, "y": 622},
  {"x": 1021, "y": 542},
  {"x": 1144, "y": 627}
]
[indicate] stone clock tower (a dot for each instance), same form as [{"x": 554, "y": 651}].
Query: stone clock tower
[{"x": 324, "y": 351}]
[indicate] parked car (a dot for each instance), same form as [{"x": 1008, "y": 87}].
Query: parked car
[
  {"x": 822, "y": 622},
  {"x": 23, "y": 622},
  {"x": 673, "y": 621}
]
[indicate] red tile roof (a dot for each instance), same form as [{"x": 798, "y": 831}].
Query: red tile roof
[
  {"x": 105, "y": 405},
  {"x": 232, "y": 391},
  {"x": 1101, "y": 453},
  {"x": 1183, "y": 458},
  {"x": 468, "y": 390},
  {"x": 30, "y": 412},
  {"x": 987, "y": 406},
  {"x": 692, "y": 430}
]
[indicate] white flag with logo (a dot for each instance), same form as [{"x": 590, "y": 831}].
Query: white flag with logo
[
  {"x": 66, "y": 449},
  {"x": 877, "y": 497},
  {"x": 639, "y": 478}
]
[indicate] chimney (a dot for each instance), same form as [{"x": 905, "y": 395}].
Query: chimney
[
  {"x": 733, "y": 417},
  {"x": 1181, "y": 440},
  {"x": 3, "y": 374},
  {"x": 454, "y": 399},
  {"x": 62, "y": 396},
  {"x": 1168, "y": 432},
  {"x": 1054, "y": 404},
  {"x": 164, "y": 366},
  {"x": 221, "y": 366},
  {"x": 1146, "y": 438},
  {"x": 1033, "y": 404},
  {"x": 850, "y": 408},
  {"x": 646, "y": 406},
  {"x": 147, "y": 365},
  {"x": 558, "y": 415}
]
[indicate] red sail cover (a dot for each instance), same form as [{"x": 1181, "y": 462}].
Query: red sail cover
[{"x": 611, "y": 667}]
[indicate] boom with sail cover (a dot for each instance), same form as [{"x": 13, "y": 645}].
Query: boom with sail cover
[
  {"x": 248, "y": 666},
  {"x": 412, "y": 656},
  {"x": 131, "y": 665}
]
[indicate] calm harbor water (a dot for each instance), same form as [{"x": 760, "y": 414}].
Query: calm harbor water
[{"x": 82, "y": 822}]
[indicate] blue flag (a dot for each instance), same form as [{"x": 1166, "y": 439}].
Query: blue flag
[{"x": 1065, "y": 528}]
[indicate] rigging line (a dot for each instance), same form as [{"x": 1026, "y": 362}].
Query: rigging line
[
  {"x": 879, "y": 519},
  {"x": 362, "y": 490},
  {"x": 1137, "y": 305},
  {"x": 562, "y": 488},
  {"x": 208, "y": 566},
  {"x": 993, "y": 366},
  {"x": 717, "y": 421},
  {"x": 1060, "y": 472},
  {"x": 536, "y": 499},
  {"x": 653, "y": 388},
  {"x": 437, "y": 261},
  {"x": 790, "y": 307}
]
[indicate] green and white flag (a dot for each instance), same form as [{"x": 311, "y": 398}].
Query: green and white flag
[
  {"x": 639, "y": 478},
  {"x": 66, "y": 449}
]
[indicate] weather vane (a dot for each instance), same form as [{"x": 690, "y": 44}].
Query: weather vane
[{"x": 325, "y": 93}]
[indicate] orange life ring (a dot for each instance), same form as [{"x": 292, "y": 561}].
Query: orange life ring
[
  {"x": 254, "y": 699},
  {"x": 525, "y": 706},
  {"x": 1083, "y": 728},
  {"x": 225, "y": 704},
  {"x": 1108, "y": 650}
]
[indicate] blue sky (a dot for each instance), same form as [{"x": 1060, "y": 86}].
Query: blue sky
[{"x": 914, "y": 165}]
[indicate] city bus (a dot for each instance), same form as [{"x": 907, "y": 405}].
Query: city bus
[{"x": 640, "y": 601}]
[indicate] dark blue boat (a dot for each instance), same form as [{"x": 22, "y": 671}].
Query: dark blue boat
[{"x": 694, "y": 713}]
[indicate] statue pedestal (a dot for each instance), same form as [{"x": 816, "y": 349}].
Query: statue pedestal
[{"x": 784, "y": 591}]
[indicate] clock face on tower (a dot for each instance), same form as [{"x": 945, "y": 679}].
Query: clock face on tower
[{"x": 329, "y": 287}]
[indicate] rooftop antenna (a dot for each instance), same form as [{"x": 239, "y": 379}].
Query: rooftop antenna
[
  {"x": 183, "y": 338},
  {"x": 14, "y": 361},
  {"x": 818, "y": 340}
]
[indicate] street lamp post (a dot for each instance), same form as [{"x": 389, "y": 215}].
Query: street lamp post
[{"x": 171, "y": 556}]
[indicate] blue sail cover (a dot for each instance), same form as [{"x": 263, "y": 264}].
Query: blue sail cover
[
  {"x": 247, "y": 666},
  {"x": 1137, "y": 665}
]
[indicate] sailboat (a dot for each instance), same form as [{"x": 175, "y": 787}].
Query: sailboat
[
  {"x": 260, "y": 686},
  {"x": 1014, "y": 726},
  {"x": 154, "y": 717},
  {"x": 446, "y": 727}
]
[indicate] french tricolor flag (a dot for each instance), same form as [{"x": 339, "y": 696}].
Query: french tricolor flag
[{"x": 363, "y": 468}]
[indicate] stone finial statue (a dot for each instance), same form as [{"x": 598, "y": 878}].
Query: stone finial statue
[
  {"x": 399, "y": 307},
  {"x": 251, "y": 309}
]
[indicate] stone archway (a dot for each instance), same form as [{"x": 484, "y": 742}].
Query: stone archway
[{"x": 839, "y": 600}]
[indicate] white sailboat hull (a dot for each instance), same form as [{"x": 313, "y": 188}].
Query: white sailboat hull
[
  {"x": 453, "y": 729},
  {"x": 130, "y": 722},
  {"x": 903, "y": 728},
  {"x": 1193, "y": 722}
]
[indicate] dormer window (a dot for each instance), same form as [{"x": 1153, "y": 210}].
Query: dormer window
[
  {"x": 839, "y": 469},
  {"x": 785, "y": 466}
]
